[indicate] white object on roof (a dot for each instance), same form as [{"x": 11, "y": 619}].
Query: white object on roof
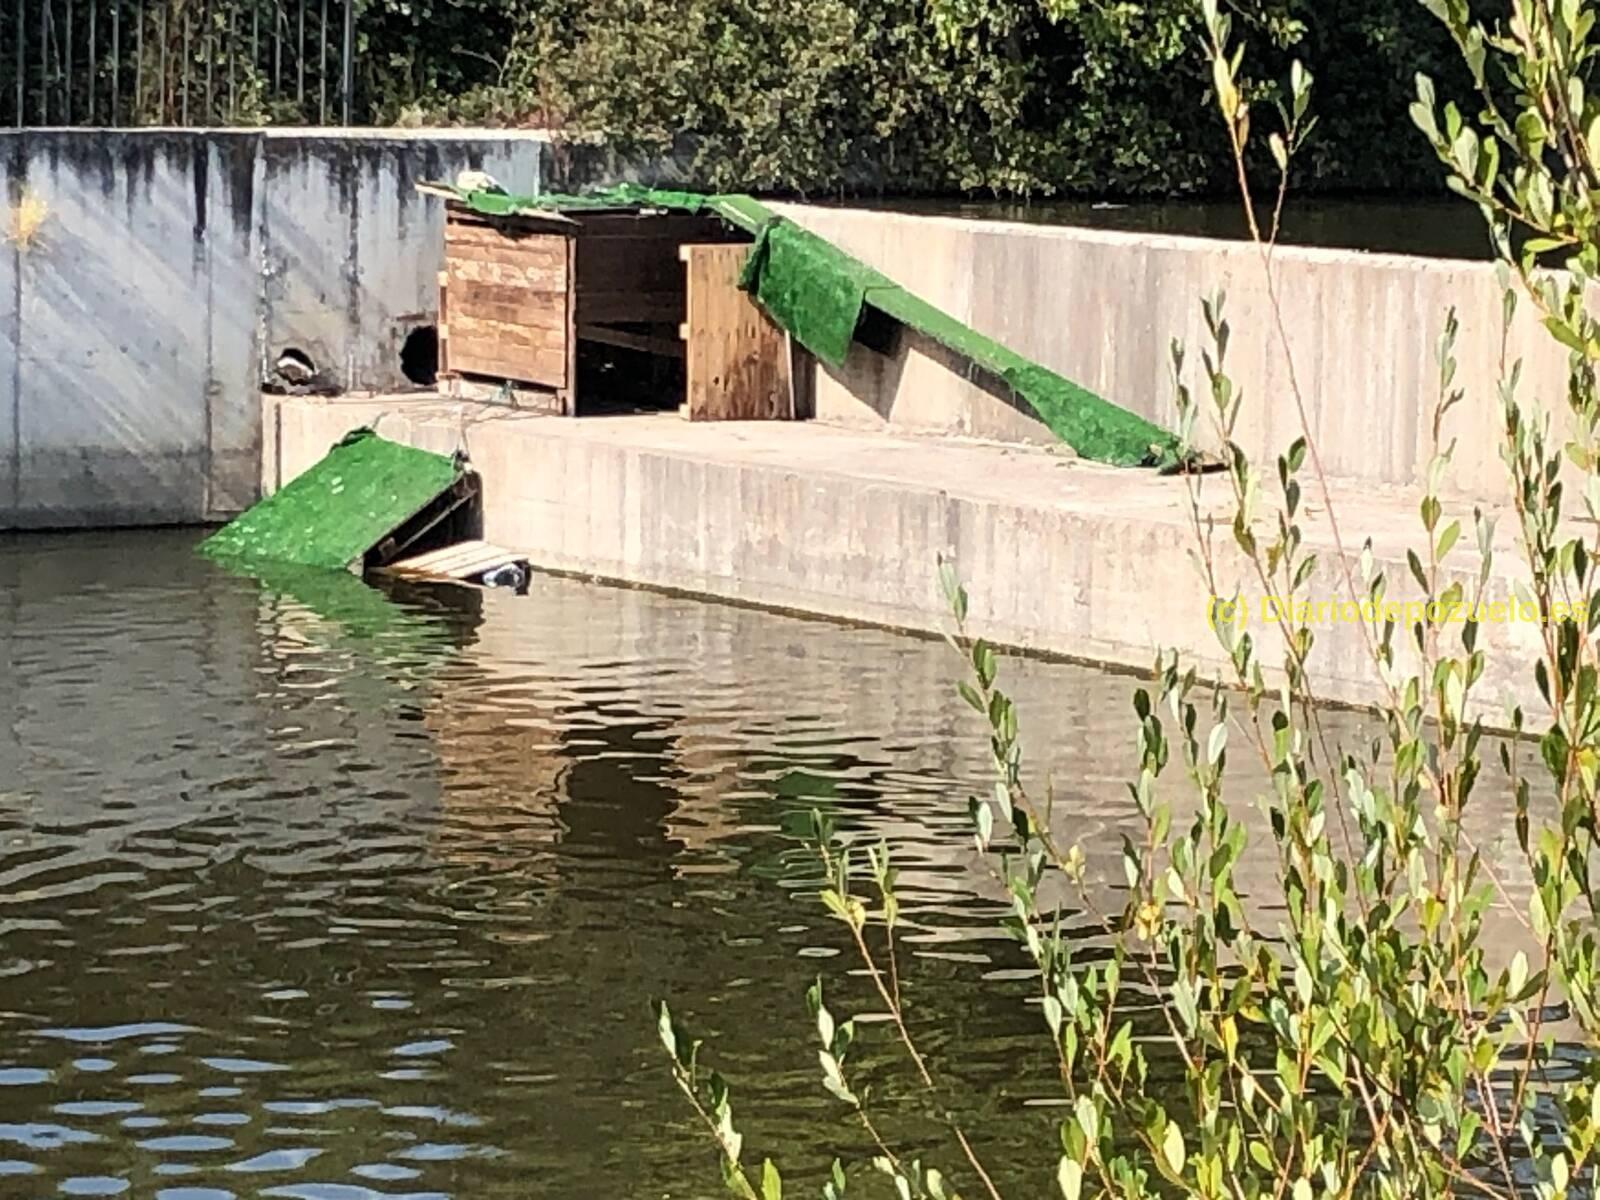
[{"x": 478, "y": 181}]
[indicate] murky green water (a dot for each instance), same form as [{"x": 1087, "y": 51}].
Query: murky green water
[{"x": 310, "y": 892}]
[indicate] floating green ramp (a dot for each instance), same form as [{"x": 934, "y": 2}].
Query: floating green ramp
[
  {"x": 331, "y": 515},
  {"x": 818, "y": 292}
]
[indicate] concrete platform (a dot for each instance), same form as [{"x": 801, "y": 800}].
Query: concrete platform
[{"x": 1060, "y": 556}]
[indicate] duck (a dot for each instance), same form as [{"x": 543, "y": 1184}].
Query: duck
[
  {"x": 479, "y": 181},
  {"x": 510, "y": 575},
  {"x": 295, "y": 368}
]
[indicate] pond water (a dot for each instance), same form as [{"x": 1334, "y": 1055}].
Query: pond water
[{"x": 311, "y": 890}]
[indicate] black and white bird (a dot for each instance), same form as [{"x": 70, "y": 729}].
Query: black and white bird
[
  {"x": 510, "y": 575},
  {"x": 295, "y": 368},
  {"x": 479, "y": 181}
]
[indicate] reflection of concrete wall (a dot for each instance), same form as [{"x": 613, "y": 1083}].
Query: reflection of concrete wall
[
  {"x": 171, "y": 269},
  {"x": 1102, "y": 307},
  {"x": 502, "y": 766},
  {"x": 752, "y": 717}
]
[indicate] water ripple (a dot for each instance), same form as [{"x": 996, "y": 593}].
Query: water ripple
[{"x": 314, "y": 891}]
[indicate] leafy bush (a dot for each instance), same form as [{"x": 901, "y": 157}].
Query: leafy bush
[
  {"x": 1012, "y": 97},
  {"x": 1005, "y": 96}
]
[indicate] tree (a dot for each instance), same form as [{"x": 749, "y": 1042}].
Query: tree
[{"x": 1009, "y": 97}]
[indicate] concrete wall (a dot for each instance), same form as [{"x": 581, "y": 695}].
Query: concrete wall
[
  {"x": 174, "y": 266},
  {"x": 171, "y": 269},
  {"x": 1102, "y": 307}
]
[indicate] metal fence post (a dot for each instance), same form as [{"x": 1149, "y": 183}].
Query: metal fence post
[
  {"x": 44, "y": 62},
  {"x": 66, "y": 64},
  {"x": 348, "y": 69},
  {"x": 22, "y": 87},
  {"x": 116, "y": 62}
]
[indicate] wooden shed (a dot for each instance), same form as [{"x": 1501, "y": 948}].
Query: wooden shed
[{"x": 582, "y": 310}]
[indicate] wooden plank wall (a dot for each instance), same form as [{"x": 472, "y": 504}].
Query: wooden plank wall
[
  {"x": 737, "y": 359},
  {"x": 508, "y": 303}
]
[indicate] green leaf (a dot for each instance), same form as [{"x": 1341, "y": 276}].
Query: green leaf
[
  {"x": 982, "y": 820},
  {"x": 1069, "y": 1175},
  {"x": 1417, "y": 572},
  {"x": 1216, "y": 742},
  {"x": 1088, "y": 1118},
  {"x": 1183, "y": 999},
  {"x": 1564, "y": 334},
  {"x": 1052, "y": 1014},
  {"x": 1517, "y": 975},
  {"x": 1172, "y": 1148},
  {"x": 669, "y": 1037},
  {"x": 1448, "y": 538},
  {"x": 771, "y": 1184}
]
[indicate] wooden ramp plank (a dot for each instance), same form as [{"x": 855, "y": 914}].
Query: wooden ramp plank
[
  {"x": 434, "y": 559},
  {"x": 460, "y": 561}
]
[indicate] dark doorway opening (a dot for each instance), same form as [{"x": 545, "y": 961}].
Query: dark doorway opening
[
  {"x": 419, "y": 356},
  {"x": 616, "y": 379}
]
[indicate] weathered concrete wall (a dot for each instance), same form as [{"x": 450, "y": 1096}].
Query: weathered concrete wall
[
  {"x": 171, "y": 269},
  {"x": 1102, "y": 307}
]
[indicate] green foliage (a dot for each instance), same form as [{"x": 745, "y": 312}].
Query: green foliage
[
  {"x": 1352, "y": 1034},
  {"x": 434, "y": 59},
  {"x": 1006, "y": 96},
  {"x": 1012, "y": 97}
]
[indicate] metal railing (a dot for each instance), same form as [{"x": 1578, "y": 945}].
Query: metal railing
[{"x": 177, "y": 62}]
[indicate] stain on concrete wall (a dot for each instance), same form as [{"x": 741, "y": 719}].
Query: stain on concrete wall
[{"x": 172, "y": 268}]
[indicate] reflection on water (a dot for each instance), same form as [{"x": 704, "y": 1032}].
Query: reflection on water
[{"x": 310, "y": 892}]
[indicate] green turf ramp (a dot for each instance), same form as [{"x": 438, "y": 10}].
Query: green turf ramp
[{"x": 333, "y": 513}]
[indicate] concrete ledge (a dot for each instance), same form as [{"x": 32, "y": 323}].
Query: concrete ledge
[{"x": 1061, "y": 556}]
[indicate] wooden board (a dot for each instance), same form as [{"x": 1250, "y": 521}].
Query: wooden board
[
  {"x": 509, "y": 302},
  {"x": 460, "y": 561},
  {"x": 491, "y": 390},
  {"x": 737, "y": 359},
  {"x": 667, "y": 344},
  {"x": 443, "y": 368}
]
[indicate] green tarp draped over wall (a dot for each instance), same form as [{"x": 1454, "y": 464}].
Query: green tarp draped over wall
[
  {"x": 333, "y": 513},
  {"x": 817, "y": 292}
]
